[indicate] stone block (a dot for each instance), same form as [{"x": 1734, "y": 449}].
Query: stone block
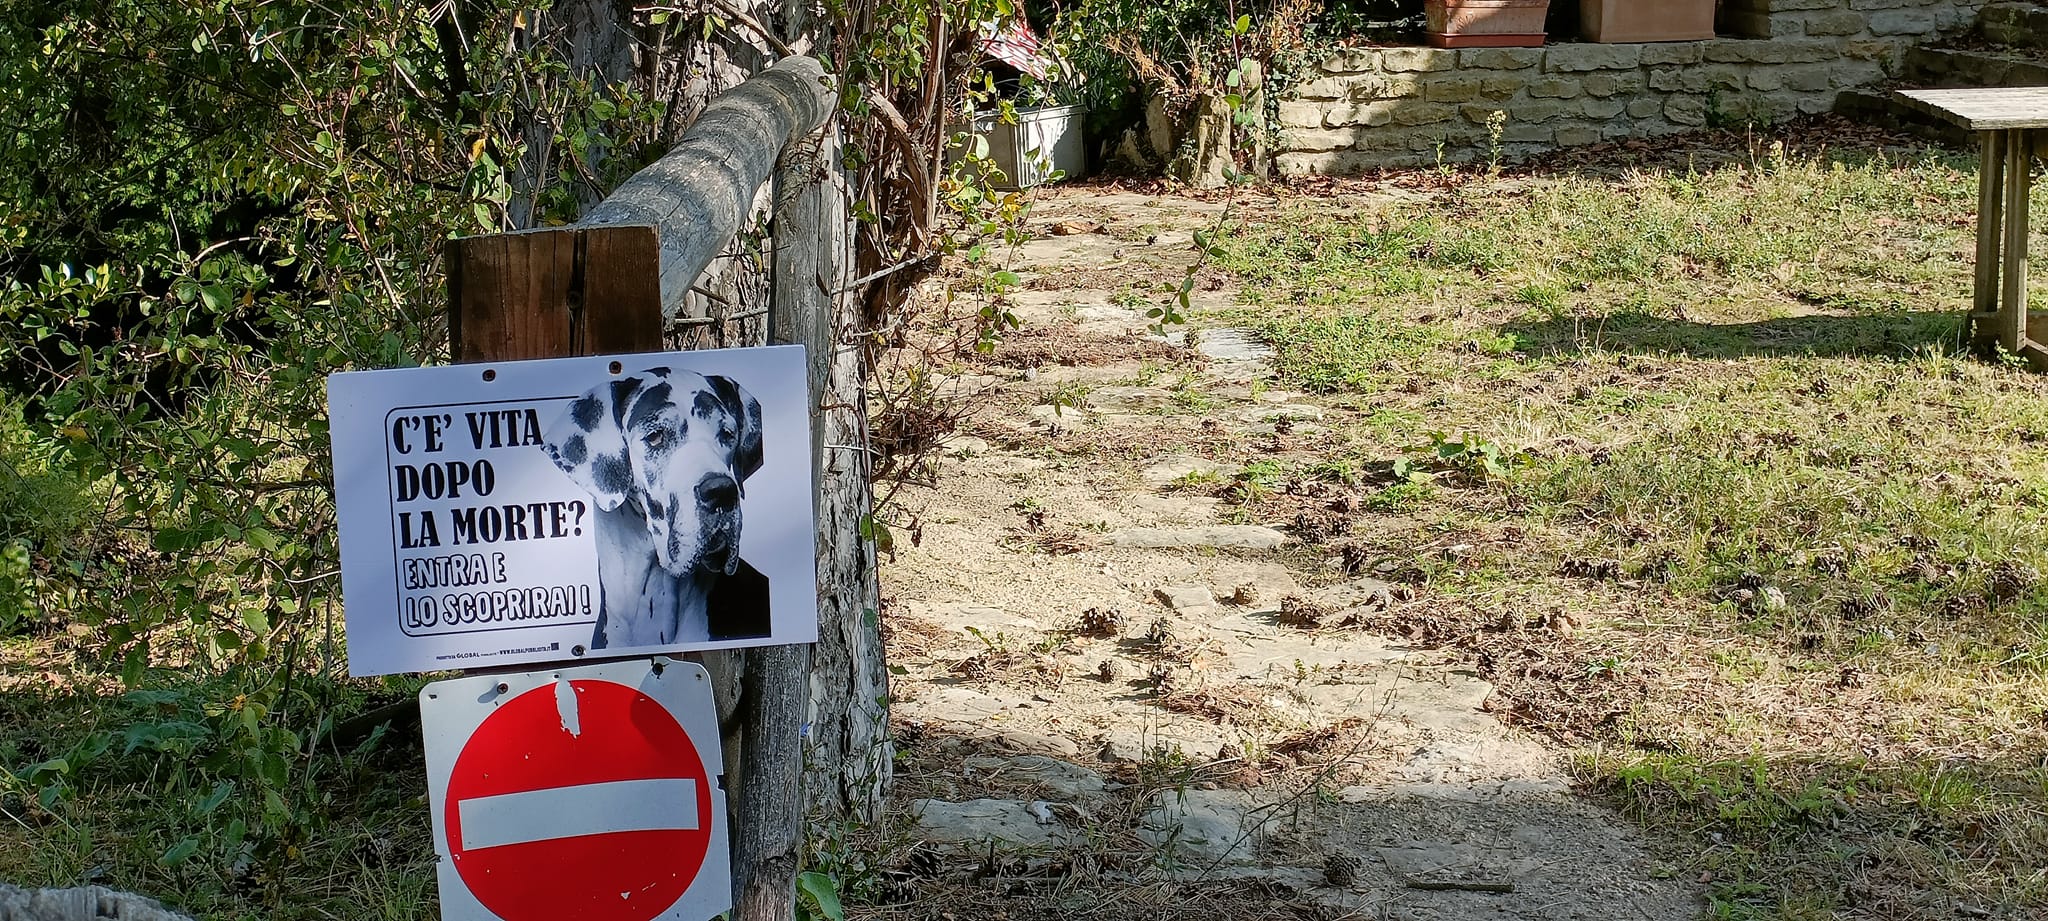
[
  {"x": 1320, "y": 139},
  {"x": 2013, "y": 23},
  {"x": 1343, "y": 162},
  {"x": 1672, "y": 53},
  {"x": 1527, "y": 134},
  {"x": 1888, "y": 52},
  {"x": 1450, "y": 89},
  {"x": 1795, "y": 6},
  {"x": 1857, "y": 73},
  {"x": 1838, "y": 22},
  {"x": 1578, "y": 136},
  {"x": 1767, "y": 78},
  {"x": 1353, "y": 61},
  {"x": 1757, "y": 108},
  {"x": 1686, "y": 109},
  {"x": 1359, "y": 87},
  {"x": 1501, "y": 87},
  {"x": 1603, "y": 109},
  {"x": 1554, "y": 88},
  {"x": 1883, "y": 4},
  {"x": 1535, "y": 110},
  {"x": 1297, "y": 114},
  {"x": 1807, "y": 78},
  {"x": 1584, "y": 57},
  {"x": 1770, "y": 51},
  {"x": 1336, "y": 87},
  {"x": 1817, "y": 104},
  {"x": 1367, "y": 114},
  {"x": 1677, "y": 79},
  {"x": 1499, "y": 58},
  {"x": 1411, "y": 115},
  {"x": 1417, "y": 60},
  {"x": 1907, "y": 21},
  {"x": 1478, "y": 113},
  {"x": 1609, "y": 84},
  {"x": 1644, "y": 107},
  {"x": 1762, "y": 25}
]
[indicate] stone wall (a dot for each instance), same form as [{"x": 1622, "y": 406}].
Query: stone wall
[{"x": 1377, "y": 107}]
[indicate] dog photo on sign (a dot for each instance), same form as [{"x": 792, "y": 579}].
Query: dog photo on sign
[{"x": 665, "y": 455}]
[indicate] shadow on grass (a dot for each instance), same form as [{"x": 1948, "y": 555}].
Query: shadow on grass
[
  {"x": 1887, "y": 334},
  {"x": 1922, "y": 836},
  {"x": 166, "y": 792}
]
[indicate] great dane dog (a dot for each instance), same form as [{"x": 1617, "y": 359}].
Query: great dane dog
[{"x": 666, "y": 455}]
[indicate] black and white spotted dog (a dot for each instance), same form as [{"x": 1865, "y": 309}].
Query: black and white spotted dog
[{"x": 666, "y": 455}]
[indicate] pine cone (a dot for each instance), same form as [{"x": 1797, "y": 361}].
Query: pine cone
[{"x": 1340, "y": 869}]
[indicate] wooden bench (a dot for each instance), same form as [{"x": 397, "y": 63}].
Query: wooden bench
[{"x": 2007, "y": 121}]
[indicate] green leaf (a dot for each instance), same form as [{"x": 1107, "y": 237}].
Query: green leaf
[
  {"x": 822, "y": 893},
  {"x": 180, "y": 852},
  {"x": 220, "y": 794},
  {"x": 1244, "y": 24}
]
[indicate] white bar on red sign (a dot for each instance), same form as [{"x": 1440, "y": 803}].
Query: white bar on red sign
[{"x": 666, "y": 804}]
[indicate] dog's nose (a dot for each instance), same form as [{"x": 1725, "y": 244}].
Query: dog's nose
[{"x": 718, "y": 491}]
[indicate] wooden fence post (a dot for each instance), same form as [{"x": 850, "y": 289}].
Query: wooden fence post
[{"x": 610, "y": 284}]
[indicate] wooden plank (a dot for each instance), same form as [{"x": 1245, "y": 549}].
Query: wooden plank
[
  {"x": 553, "y": 293},
  {"x": 700, "y": 192},
  {"x": 2012, "y": 323},
  {"x": 1984, "y": 108},
  {"x": 1990, "y": 224}
]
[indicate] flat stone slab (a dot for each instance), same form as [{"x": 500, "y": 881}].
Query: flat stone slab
[
  {"x": 1172, "y": 468},
  {"x": 1060, "y": 778},
  {"x": 978, "y": 822},
  {"x": 1217, "y": 536},
  {"x": 1448, "y": 867},
  {"x": 954, "y": 705},
  {"x": 1205, "y": 826},
  {"x": 1189, "y": 595},
  {"x": 1306, "y": 412},
  {"x": 1232, "y": 343},
  {"x": 85, "y": 903}
]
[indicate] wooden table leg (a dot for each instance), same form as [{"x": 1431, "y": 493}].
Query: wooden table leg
[
  {"x": 2012, "y": 314},
  {"x": 1981, "y": 325}
]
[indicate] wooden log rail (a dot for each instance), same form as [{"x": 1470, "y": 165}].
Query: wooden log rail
[{"x": 613, "y": 282}]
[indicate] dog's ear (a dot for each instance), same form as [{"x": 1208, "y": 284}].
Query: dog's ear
[
  {"x": 746, "y": 418},
  {"x": 589, "y": 445}
]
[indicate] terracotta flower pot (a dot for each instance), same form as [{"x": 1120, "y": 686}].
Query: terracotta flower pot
[
  {"x": 1485, "y": 23},
  {"x": 1646, "y": 20}
]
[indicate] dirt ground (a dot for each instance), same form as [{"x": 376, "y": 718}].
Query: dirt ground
[{"x": 1116, "y": 693}]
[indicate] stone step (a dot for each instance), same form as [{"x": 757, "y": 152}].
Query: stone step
[
  {"x": 1946, "y": 67},
  {"x": 2021, "y": 24},
  {"x": 1878, "y": 107}
]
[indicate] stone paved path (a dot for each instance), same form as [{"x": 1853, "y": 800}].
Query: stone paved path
[{"x": 1334, "y": 763}]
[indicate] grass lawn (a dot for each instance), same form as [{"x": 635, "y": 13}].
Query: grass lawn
[{"x": 1690, "y": 465}]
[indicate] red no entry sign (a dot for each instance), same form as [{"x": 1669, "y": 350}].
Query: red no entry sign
[{"x": 586, "y": 793}]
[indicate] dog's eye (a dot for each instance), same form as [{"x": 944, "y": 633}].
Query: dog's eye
[{"x": 655, "y": 438}]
